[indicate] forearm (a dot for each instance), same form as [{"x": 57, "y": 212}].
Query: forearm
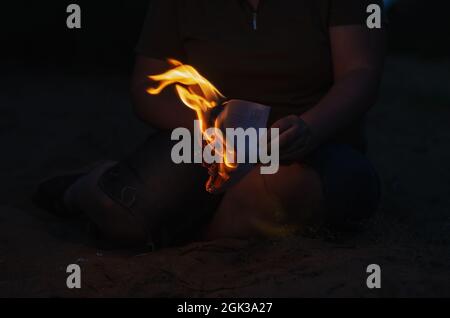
[
  {"x": 349, "y": 99},
  {"x": 164, "y": 111}
]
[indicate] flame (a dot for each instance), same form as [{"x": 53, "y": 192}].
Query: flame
[{"x": 197, "y": 93}]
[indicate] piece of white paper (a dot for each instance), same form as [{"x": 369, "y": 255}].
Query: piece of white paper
[{"x": 240, "y": 114}]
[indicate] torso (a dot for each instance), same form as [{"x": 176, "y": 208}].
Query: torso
[
  {"x": 281, "y": 59},
  {"x": 254, "y": 4}
]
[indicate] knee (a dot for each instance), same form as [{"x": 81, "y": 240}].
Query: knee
[
  {"x": 350, "y": 184},
  {"x": 114, "y": 222}
]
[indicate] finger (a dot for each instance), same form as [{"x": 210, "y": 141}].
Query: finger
[
  {"x": 296, "y": 145},
  {"x": 272, "y": 138},
  {"x": 282, "y": 125},
  {"x": 288, "y": 137}
]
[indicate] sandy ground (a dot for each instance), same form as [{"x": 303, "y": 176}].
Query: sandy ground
[{"x": 49, "y": 122}]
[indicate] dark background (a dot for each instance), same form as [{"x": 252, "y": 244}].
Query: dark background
[
  {"x": 36, "y": 31},
  {"x": 64, "y": 104}
]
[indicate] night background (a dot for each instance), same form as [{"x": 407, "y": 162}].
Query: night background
[{"x": 64, "y": 104}]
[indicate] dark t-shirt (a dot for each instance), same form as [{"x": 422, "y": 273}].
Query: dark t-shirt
[{"x": 279, "y": 55}]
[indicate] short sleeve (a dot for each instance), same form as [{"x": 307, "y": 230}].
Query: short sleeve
[
  {"x": 350, "y": 12},
  {"x": 160, "y": 37}
]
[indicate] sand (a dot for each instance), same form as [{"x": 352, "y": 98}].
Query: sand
[{"x": 49, "y": 122}]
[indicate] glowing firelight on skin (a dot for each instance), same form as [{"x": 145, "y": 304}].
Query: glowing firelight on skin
[{"x": 197, "y": 93}]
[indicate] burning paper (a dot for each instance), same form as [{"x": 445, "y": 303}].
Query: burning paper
[
  {"x": 239, "y": 116},
  {"x": 197, "y": 93}
]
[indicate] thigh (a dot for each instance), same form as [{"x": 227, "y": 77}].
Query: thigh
[{"x": 275, "y": 205}]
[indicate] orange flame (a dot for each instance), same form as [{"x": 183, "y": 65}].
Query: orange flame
[{"x": 197, "y": 93}]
